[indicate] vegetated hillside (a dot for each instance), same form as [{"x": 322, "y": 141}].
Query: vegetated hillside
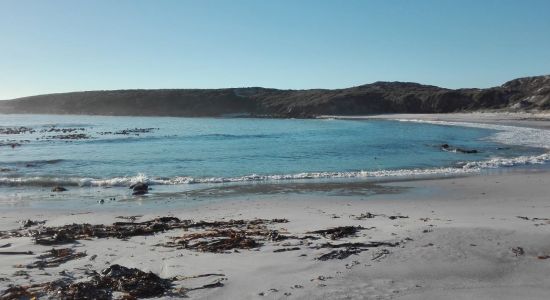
[{"x": 380, "y": 97}]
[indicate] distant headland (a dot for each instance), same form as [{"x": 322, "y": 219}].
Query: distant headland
[{"x": 529, "y": 93}]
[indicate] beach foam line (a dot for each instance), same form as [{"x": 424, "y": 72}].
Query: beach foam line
[
  {"x": 506, "y": 134},
  {"x": 467, "y": 167}
]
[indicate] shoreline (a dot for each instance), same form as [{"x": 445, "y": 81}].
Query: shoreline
[
  {"x": 480, "y": 236},
  {"x": 538, "y": 120}
]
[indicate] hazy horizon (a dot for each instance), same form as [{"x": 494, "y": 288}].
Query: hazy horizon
[{"x": 66, "y": 46}]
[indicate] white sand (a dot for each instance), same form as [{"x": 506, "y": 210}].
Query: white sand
[{"x": 463, "y": 231}]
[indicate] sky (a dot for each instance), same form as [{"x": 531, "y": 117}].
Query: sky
[{"x": 49, "y": 46}]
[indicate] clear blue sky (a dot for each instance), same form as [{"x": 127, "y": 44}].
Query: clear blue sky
[{"x": 70, "y": 45}]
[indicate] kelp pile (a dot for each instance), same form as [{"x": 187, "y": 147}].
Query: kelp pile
[{"x": 132, "y": 283}]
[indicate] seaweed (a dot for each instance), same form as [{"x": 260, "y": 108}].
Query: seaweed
[
  {"x": 221, "y": 236},
  {"x": 340, "y": 254},
  {"x": 73, "y": 232},
  {"x": 352, "y": 249},
  {"x": 123, "y": 230},
  {"x": 337, "y": 233},
  {"x": 55, "y": 257},
  {"x": 217, "y": 241},
  {"x": 134, "y": 283}
]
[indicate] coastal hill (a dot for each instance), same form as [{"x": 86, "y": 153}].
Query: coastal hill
[{"x": 530, "y": 93}]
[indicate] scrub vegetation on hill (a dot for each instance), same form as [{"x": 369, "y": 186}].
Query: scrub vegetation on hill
[{"x": 530, "y": 93}]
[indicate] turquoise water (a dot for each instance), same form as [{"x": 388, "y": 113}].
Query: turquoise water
[{"x": 191, "y": 150}]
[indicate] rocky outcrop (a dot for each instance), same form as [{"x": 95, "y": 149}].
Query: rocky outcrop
[
  {"x": 530, "y": 93},
  {"x": 139, "y": 188}
]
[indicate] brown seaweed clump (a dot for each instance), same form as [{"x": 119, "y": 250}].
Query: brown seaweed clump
[
  {"x": 134, "y": 283},
  {"x": 55, "y": 257}
]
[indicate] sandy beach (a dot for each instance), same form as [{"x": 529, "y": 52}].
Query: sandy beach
[{"x": 481, "y": 236}]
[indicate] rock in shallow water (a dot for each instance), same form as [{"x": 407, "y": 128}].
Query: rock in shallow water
[
  {"x": 59, "y": 189},
  {"x": 140, "y": 188}
]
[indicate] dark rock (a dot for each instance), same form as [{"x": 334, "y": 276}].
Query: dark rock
[
  {"x": 447, "y": 147},
  {"x": 139, "y": 188},
  {"x": 59, "y": 189}
]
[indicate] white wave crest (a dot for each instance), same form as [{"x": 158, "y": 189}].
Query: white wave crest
[
  {"x": 470, "y": 167},
  {"x": 509, "y": 135}
]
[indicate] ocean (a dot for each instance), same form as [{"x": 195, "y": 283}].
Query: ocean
[{"x": 106, "y": 151}]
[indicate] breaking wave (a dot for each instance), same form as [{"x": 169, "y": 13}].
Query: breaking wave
[
  {"x": 470, "y": 167},
  {"x": 510, "y": 135}
]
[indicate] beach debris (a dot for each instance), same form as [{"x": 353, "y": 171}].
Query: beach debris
[
  {"x": 337, "y": 233},
  {"x": 66, "y": 289},
  {"x": 16, "y": 253},
  {"x": 369, "y": 215},
  {"x": 380, "y": 254},
  {"x": 16, "y": 130},
  {"x": 546, "y": 220},
  {"x": 286, "y": 249},
  {"x": 217, "y": 241},
  {"x": 21, "y": 273},
  {"x": 543, "y": 256},
  {"x": 198, "y": 276},
  {"x": 55, "y": 257},
  {"x": 135, "y": 131},
  {"x": 340, "y": 254},
  {"x": 70, "y": 136},
  {"x": 221, "y": 236},
  {"x": 132, "y": 282},
  {"x": 73, "y": 232},
  {"x": 29, "y": 223},
  {"x": 352, "y": 264},
  {"x": 518, "y": 251},
  {"x": 448, "y": 148},
  {"x": 58, "y": 189},
  {"x": 397, "y": 217},
  {"x": 17, "y": 293},
  {"x": 237, "y": 231},
  {"x": 321, "y": 278},
  {"x": 366, "y": 215},
  {"x": 350, "y": 249},
  {"x": 139, "y": 188},
  {"x": 62, "y": 130},
  {"x": 129, "y": 218},
  {"x": 5, "y": 245}
]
